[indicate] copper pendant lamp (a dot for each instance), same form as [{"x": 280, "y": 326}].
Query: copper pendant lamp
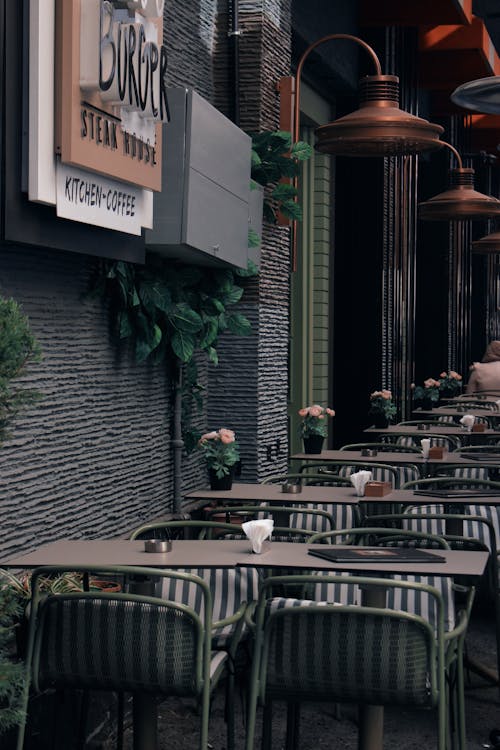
[
  {"x": 489, "y": 245},
  {"x": 460, "y": 201},
  {"x": 378, "y": 127}
]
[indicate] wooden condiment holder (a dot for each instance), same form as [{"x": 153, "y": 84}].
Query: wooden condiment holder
[
  {"x": 479, "y": 427},
  {"x": 436, "y": 451},
  {"x": 377, "y": 489}
]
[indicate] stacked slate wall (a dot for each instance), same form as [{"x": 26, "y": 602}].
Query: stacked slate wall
[{"x": 93, "y": 458}]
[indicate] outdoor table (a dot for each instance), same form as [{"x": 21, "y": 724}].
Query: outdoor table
[
  {"x": 282, "y": 554},
  {"x": 230, "y": 553},
  {"x": 445, "y": 429},
  {"x": 382, "y": 457},
  {"x": 458, "y": 412}
]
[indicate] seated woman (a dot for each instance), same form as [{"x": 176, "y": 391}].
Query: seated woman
[{"x": 485, "y": 375}]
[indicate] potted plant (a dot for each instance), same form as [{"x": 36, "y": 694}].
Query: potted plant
[
  {"x": 382, "y": 408},
  {"x": 313, "y": 427},
  {"x": 426, "y": 396},
  {"x": 450, "y": 384},
  {"x": 221, "y": 455}
]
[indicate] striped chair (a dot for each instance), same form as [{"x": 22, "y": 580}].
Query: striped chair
[
  {"x": 230, "y": 589},
  {"x": 344, "y": 515},
  {"x": 396, "y": 475},
  {"x": 158, "y": 645},
  {"x": 373, "y": 657}
]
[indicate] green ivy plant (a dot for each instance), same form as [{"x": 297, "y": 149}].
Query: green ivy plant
[
  {"x": 275, "y": 157},
  {"x": 169, "y": 311},
  {"x": 17, "y": 349}
]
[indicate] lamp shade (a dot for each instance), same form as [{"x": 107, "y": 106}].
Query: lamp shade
[
  {"x": 482, "y": 95},
  {"x": 460, "y": 201},
  {"x": 487, "y": 245},
  {"x": 379, "y": 127}
]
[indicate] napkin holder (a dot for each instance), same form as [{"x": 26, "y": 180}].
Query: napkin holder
[
  {"x": 369, "y": 452},
  {"x": 377, "y": 489},
  {"x": 436, "y": 451},
  {"x": 266, "y": 546},
  {"x": 478, "y": 427},
  {"x": 423, "y": 426}
]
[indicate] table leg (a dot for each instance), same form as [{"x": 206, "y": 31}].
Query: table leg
[
  {"x": 371, "y": 728},
  {"x": 145, "y": 722},
  {"x": 371, "y": 718},
  {"x": 144, "y": 704}
]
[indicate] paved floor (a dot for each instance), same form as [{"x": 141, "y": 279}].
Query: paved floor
[{"x": 320, "y": 728}]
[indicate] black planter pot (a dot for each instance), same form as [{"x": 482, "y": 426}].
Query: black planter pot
[
  {"x": 427, "y": 404},
  {"x": 313, "y": 444},
  {"x": 222, "y": 483},
  {"x": 380, "y": 421}
]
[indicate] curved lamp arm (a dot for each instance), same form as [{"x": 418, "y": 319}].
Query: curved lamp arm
[
  {"x": 305, "y": 55},
  {"x": 454, "y": 151}
]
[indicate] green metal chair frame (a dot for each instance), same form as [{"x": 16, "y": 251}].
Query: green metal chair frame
[
  {"x": 69, "y": 637},
  {"x": 447, "y": 481},
  {"x": 329, "y": 466},
  {"x": 286, "y": 664},
  {"x": 491, "y": 577},
  {"x": 452, "y": 441},
  {"x": 305, "y": 477},
  {"x": 482, "y": 448},
  {"x": 387, "y": 446},
  {"x": 264, "y": 510},
  {"x": 346, "y": 512},
  {"x": 196, "y": 529}
]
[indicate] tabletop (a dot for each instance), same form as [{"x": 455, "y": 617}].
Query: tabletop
[
  {"x": 457, "y": 412},
  {"x": 253, "y": 492},
  {"x": 382, "y": 457},
  {"x": 450, "y": 428},
  {"x": 184, "y": 554},
  {"x": 232, "y": 553}
]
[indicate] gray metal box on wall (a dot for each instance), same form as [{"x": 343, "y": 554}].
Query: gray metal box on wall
[{"x": 202, "y": 212}]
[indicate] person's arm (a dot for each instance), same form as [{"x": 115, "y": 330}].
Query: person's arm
[{"x": 473, "y": 384}]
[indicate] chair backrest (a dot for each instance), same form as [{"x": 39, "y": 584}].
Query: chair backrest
[
  {"x": 298, "y": 517},
  {"x": 120, "y": 641},
  {"x": 185, "y": 529},
  {"x": 229, "y": 588},
  {"x": 450, "y": 442},
  {"x": 452, "y": 481},
  {"x": 396, "y": 475},
  {"x": 416, "y": 601},
  {"x": 386, "y": 446},
  {"x": 343, "y": 514},
  {"x": 373, "y": 656}
]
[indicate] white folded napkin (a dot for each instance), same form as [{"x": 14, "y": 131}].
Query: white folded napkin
[
  {"x": 258, "y": 531},
  {"x": 467, "y": 421},
  {"x": 498, "y": 403},
  {"x": 426, "y": 444},
  {"x": 359, "y": 479}
]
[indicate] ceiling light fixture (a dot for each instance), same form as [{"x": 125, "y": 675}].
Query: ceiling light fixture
[
  {"x": 460, "y": 201},
  {"x": 378, "y": 127},
  {"x": 489, "y": 245},
  {"x": 482, "y": 95}
]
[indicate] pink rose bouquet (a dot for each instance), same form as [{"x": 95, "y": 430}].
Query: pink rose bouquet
[
  {"x": 314, "y": 420},
  {"x": 450, "y": 383},
  {"x": 221, "y": 450},
  {"x": 381, "y": 404},
  {"x": 429, "y": 391}
]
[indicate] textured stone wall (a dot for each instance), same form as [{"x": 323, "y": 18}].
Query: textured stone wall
[
  {"x": 93, "y": 458},
  {"x": 249, "y": 389}
]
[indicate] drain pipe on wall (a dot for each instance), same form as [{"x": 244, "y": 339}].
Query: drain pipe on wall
[
  {"x": 234, "y": 34},
  {"x": 177, "y": 442}
]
